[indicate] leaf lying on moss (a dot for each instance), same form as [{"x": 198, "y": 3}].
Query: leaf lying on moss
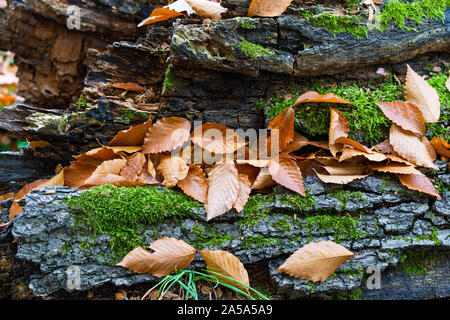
[{"x": 268, "y": 8}]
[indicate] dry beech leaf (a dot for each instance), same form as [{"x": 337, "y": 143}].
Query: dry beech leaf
[
  {"x": 195, "y": 184},
  {"x": 423, "y": 96},
  {"x": 158, "y": 15},
  {"x": 169, "y": 255},
  {"x": 207, "y": 9},
  {"x": 349, "y": 153},
  {"x": 429, "y": 147},
  {"x": 284, "y": 124},
  {"x": 256, "y": 163},
  {"x": 268, "y": 8},
  {"x": 226, "y": 264},
  {"x": 394, "y": 168},
  {"x": 108, "y": 172},
  {"x": 166, "y": 135},
  {"x": 384, "y": 147},
  {"x": 285, "y": 172},
  {"x": 244, "y": 192},
  {"x": 419, "y": 182},
  {"x": 132, "y": 137},
  {"x": 316, "y": 261},
  {"x": 338, "y": 129},
  {"x": 129, "y": 86},
  {"x": 216, "y": 138},
  {"x": 344, "y": 179},
  {"x": 346, "y": 170},
  {"x": 173, "y": 169},
  {"x": 312, "y": 96},
  {"x": 441, "y": 147},
  {"x": 223, "y": 189},
  {"x": 410, "y": 147},
  {"x": 263, "y": 180},
  {"x": 250, "y": 171},
  {"x": 352, "y": 143},
  {"x": 133, "y": 168},
  {"x": 405, "y": 115}
]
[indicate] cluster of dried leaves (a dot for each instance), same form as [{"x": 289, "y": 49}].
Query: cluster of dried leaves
[
  {"x": 8, "y": 80},
  {"x": 211, "y": 9},
  {"x": 313, "y": 262}
]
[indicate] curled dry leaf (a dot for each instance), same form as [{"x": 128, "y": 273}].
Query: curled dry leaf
[
  {"x": 207, "y": 9},
  {"x": 268, "y": 8},
  {"x": 158, "y": 15},
  {"x": 244, "y": 192},
  {"x": 441, "y": 147},
  {"x": 411, "y": 147},
  {"x": 346, "y": 170},
  {"x": 173, "y": 169},
  {"x": 169, "y": 256},
  {"x": 108, "y": 172},
  {"x": 419, "y": 182},
  {"x": 352, "y": 143},
  {"x": 383, "y": 147},
  {"x": 166, "y": 135},
  {"x": 343, "y": 179},
  {"x": 312, "y": 96},
  {"x": 405, "y": 115},
  {"x": 338, "y": 129},
  {"x": 133, "y": 168},
  {"x": 132, "y": 137},
  {"x": 216, "y": 138},
  {"x": 283, "y": 127},
  {"x": 226, "y": 264},
  {"x": 316, "y": 261},
  {"x": 263, "y": 180},
  {"x": 129, "y": 86},
  {"x": 394, "y": 168},
  {"x": 285, "y": 171},
  {"x": 423, "y": 96},
  {"x": 223, "y": 189},
  {"x": 349, "y": 153},
  {"x": 195, "y": 184}
]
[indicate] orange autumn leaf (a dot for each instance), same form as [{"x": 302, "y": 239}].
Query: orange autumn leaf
[
  {"x": 216, "y": 138},
  {"x": 263, "y": 180},
  {"x": 132, "y": 137},
  {"x": 173, "y": 169},
  {"x": 250, "y": 171},
  {"x": 158, "y": 15},
  {"x": 244, "y": 192},
  {"x": 166, "y": 135},
  {"x": 133, "y": 167},
  {"x": 195, "y": 184},
  {"x": 268, "y": 8},
  {"x": 312, "y": 96},
  {"x": 108, "y": 172},
  {"x": 349, "y": 153},
  {"x": 169, "y": 255},
  {"x": 423, "y": 96},
  {"x": 355, "y": 144},
  {"x": 441, "y": 146},
  {"x": 346, "y": 170},
  {"x": 419, "y": 182},
  {"x": 316, "y": 261},
  {"x": 340, "y": 179},
  {"x": 38, "y": 144},
  {"x": 338, "y": 129},
  {"x": 223, "y": 189},
  {"x": 405, "y": 115},
  {"x": 285, "y": 172},
  {"x": 129, "y": 86},
  {"x": 284, "y": 126},
  {"x": 207, "y": 9},
  {"x": 394, "y": 168}
]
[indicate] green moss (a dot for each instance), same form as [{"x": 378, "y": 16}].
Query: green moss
[
  {"x": 258, "y": 241},
  {"x": 171, "y": 80},
  {"x": 122, "y": 212},
  {"x": 254, "y": 209},
  {"x": 338, "y": 24},
  {"x": 82, "y": 102},
  {"x": 432, "y": 236},
  {"x": 246, "y": 23},
  {"x": 254, "y": 51},
  {"x": 343, "y": 228},
  {"x": 420, "y": 262},
  {"x": 440, "y": 129},
  {"x": 344, "y": 196},
  {"x": 352, "y": 4},
  {"x": 282, "y": 225},
  {"x": 209, "y": 237},
  {"x": 400, "y": 13},
  {"x": 299, "y": 203},
  {"x": 440, "y": 186}
]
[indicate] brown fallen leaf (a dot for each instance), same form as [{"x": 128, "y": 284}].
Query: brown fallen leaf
[
  {"x": 244, "y": 192},
  {"x": 169, "y": 255},
  {"x": 312, "y": 96},
  {"x": 207, "y": 9},
  {"x": 263, "y": 180},
  {"x": 355, "y": 144},
  {"x": 410, "y": 147},
  {"x": 338, "y": 129},
  {"x": 133, "y": 167},
  {"x": 394, "y": 168},
  {"x": 108, "y": 172},
  {"x": 195, "y": 184},
  {"x": 284, "y": 125},
  {"x": 419, "y": 182},
  {"x": 343, "y": 179},
  {"x": 216, "y": 138},
  {"x": 173, "y": 169},
  {"x": 285, "y": 171},
  {"x": 38, "y": 144},
  {"x": 405, "y": 115},
  {"x": 223, "y": 189},
  {"x": 129, "y": 86},
  {"x": 268, "y": 8},
  {"x": 383, "y": 147},
  {"x": 132, "y": 137},
  {"x": 441, "y": 146},
  {"x": 158, "y": 15},
  {"x": 423, "y": 96},
  {"x": 349, "y": 153},
  {"x": 346, "y": 170},
  {"x": 225, "y": 263},
  {"x": 316, "y": 261},
  {"x": 166, "y": 135}
]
